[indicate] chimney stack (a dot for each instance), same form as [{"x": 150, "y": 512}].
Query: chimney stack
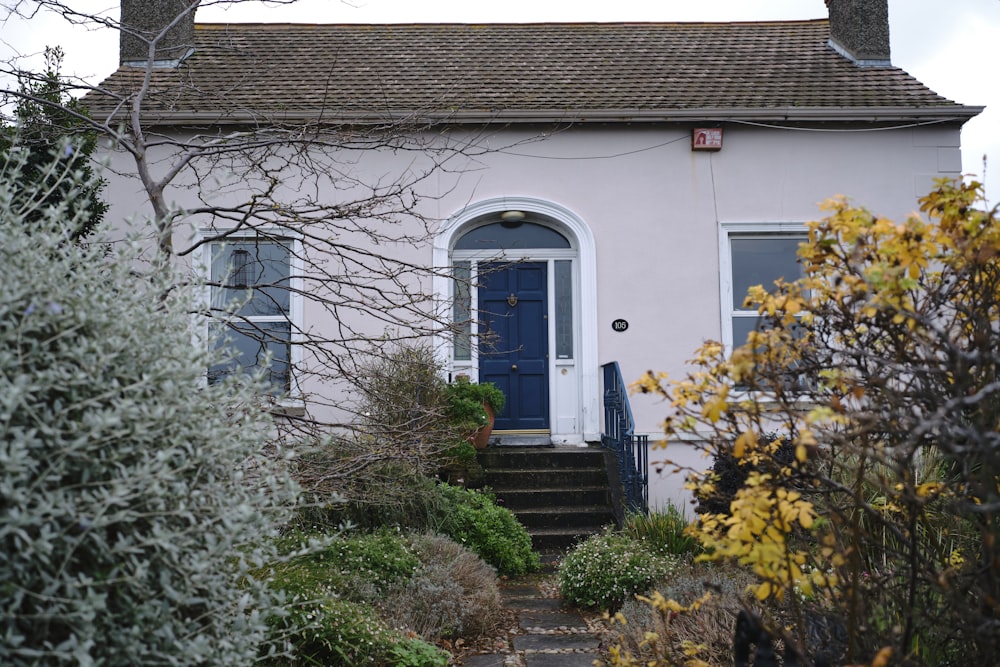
[
  {"x": 143, "y": 21},
  {"x": 859, "y": 31}
]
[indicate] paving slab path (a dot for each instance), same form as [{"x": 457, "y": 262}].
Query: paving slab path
[{"x": 550, "y": 634}]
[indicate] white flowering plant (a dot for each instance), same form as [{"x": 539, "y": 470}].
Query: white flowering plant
[{"x": 606, "y": 570}]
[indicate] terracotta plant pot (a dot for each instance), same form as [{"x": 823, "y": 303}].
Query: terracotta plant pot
[{"x": 481, "y": 437}]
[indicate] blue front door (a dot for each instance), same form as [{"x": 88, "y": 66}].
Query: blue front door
[{"x": 513, "y": 311}]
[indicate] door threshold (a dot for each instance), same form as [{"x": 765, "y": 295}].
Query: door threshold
[{"x": 525, "y": 438}]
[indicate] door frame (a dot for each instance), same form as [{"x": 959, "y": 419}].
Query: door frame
[
  {"x": 582, "y": 397},
  {"x": 494, "y": 364}
]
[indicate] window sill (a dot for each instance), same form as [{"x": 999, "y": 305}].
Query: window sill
[{"x": 289, "y": 409}]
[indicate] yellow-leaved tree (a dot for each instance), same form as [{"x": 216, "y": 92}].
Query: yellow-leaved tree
[{"x": 864, "y": 415}]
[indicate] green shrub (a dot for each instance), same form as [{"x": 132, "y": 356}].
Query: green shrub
[
  {"x": 472, "y": 518},
  {"x": 461, "y": 453},
  {"x": 319, "y": 628},
  {"x": 327, "y": 630},
  {"x": 133, "y": 496},
  {"x": 46, "y": 115},
  {"x": 662, "y": 531},
  {"x": 413, "y": 652},
  {"x": 465, "y": 402},
  {"x": 359, "y": 567},
  {"x": 333, "y": 591},
  {"x": 376, "y": 598},
  {"x": 452, "y": 594},
  {"x": 374, "y": 471},
  {"x": 380, "y": 560},
  {"x": 605, "y": 570}
]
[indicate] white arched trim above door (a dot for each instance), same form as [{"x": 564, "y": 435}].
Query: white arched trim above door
[{"x": 576, "y": 230}]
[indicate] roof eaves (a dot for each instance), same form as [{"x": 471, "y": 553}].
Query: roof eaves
[
  {"x": 816, "y": 114},
  {"x": 943, "y": 113}
]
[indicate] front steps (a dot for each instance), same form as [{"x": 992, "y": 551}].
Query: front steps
[{"x": 560, "y": 494}]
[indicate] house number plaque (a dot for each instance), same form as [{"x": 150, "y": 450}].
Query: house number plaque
[{"x": 619, "y": 325}]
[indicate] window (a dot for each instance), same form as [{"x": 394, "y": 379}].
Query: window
[
  {"x": 254, "y": 277},
  {"x": 501, "y": 236},
  {"x": 748, "y": 259},
  {"x": 564, "y": 309},
  {"x": 462, "y": 310}
]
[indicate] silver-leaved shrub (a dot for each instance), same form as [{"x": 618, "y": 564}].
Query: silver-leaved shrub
[{"x": 134, "y": 498}]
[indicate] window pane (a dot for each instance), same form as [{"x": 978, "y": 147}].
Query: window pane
[
  {"x": 790, "y": 378},
  {"x": 462, "y": 311},
  {"x": 564, "y": 309},
  {"x": 761, "y": 260},
  {"x": 496, "y": 236},
  {"x": 260, "y": 268},
  {"x": 742, "y": 326},
  {"x": 250, "y": 345}
]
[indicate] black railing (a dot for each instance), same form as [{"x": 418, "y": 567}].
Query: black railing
[{"x": 619, "y": 436}]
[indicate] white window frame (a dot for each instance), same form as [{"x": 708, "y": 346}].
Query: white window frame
[
  {"x": 295, "y": 316},
  {"x": 728, "y": 231}
]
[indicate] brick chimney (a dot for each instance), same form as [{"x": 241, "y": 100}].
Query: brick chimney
[
  {"x": 859, "y": 31},
  {"x": 168, "y": 23}
]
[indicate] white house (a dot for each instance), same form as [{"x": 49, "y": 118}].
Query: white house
[{"x": 643, "y": 175}]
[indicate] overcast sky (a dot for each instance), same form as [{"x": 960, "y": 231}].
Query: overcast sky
[{"x": 954, "y": 51}]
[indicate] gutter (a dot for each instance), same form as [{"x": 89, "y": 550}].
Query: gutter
[{"x": 943, "y": 114}]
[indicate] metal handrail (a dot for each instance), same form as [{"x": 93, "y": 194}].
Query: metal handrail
[{"x": 619, "y": 436}]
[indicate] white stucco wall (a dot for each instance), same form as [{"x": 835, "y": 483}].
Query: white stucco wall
[{"x": 654, "y": 208}]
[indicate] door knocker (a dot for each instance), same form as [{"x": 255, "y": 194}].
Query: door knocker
[{"x": 512, "y": 300}]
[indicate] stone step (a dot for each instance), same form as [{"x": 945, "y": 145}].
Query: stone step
[
  {"x": 560, "y": 494},
  {"x": 541, "y": 457},
  {"x": 550, "y": 622},
  {"x": 533, "y": 478},
  {"x": 590, "y": 518},
  {"x": 552, "y": 634},
  {"x": 559, "y": 539},
  {"x": 517, "y": 499}
]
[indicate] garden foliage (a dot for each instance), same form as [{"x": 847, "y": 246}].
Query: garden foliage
[
  {"x": 605, "y": 570},
  {"x": 134, "y": 498},
  {"x": 678, "y": 624},
  {"x": 473, "y": 519},
  {"x": 405, "y": 434},
  {"x": 466, "y": 401},
  {"x": 452, "y": 593},
  {"x": 662, "y": 530},
  {"x": 878, "y": 369},
  {"x": 328, "y": 593},
  {"x": 51, "y": 130},
  {"x": 379, "y": 598}
]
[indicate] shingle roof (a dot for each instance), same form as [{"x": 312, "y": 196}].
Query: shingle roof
[{"x": 529, "y": 72}]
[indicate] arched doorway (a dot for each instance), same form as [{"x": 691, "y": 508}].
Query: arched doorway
[{"x": 523, "y": 297}]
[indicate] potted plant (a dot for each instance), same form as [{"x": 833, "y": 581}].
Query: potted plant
[{"x": 475, "y": 405}]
